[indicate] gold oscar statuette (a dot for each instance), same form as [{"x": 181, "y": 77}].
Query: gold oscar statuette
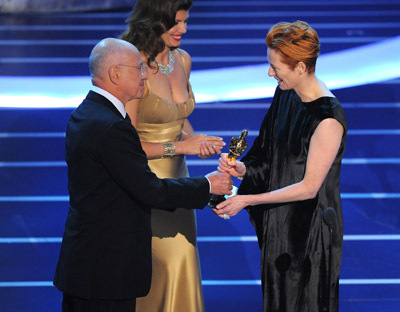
[{"x": 236, "y": 148}]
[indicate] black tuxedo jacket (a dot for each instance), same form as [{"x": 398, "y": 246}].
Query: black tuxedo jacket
[{"x": 106, "y": 247}]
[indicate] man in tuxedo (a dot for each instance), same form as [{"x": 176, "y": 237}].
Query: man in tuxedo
[{"x": 105, "y": 258}]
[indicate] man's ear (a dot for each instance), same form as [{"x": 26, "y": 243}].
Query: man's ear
[{"x": 114, "y": 74}]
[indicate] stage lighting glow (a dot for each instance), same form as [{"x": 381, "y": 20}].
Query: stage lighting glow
[
  {"x": 362, "y": 65},
  {"x": 353, "y": 67},
  {"x": 39, "y": 101}
]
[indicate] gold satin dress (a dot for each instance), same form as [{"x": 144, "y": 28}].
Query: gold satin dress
[{"x": 176, "y": 280}]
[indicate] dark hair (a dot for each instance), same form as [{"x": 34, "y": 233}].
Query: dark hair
[
  {"x": 297, "y": 42},
  {"x": 148, "y": 21}
]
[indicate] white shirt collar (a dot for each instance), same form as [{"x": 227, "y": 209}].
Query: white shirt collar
[{"x": 117, "y": 103}]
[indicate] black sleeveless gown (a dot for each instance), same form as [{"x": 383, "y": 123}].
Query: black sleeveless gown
[{"x": 300, "y": 258}]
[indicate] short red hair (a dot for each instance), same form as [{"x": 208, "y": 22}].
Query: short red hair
[{"x": 296, "y": 42}]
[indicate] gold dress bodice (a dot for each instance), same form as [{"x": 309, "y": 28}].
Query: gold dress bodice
[{"x": 160, "y": 121}]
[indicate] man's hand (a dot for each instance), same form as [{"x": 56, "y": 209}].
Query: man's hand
[{"x": 221, "y": 183}]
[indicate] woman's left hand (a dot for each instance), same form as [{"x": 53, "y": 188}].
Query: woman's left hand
[
  {"x": 232, "y": 206},
  {"x": 207, "y": 150}
]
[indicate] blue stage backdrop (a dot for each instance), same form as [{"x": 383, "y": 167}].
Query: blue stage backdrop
[{"x": 46, "y": 6}]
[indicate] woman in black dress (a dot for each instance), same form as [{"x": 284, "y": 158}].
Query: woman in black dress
[{"x": 291, "y": 175}]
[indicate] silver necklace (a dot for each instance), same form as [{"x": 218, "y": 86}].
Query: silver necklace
[{"x": 169, "y": 68}]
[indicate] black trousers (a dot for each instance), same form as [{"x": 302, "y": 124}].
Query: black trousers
[{"x": 75, "y": 304}]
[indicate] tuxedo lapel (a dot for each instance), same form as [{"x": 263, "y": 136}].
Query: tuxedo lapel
[
  {"x": 127, "y": 118},
  {"x": 98, "y": 98}
]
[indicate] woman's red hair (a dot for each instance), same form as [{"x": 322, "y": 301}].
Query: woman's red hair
[{"x": 296, "y": 42}]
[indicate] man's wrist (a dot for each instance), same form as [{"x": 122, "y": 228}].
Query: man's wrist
[{"x": 209, "y": 184}]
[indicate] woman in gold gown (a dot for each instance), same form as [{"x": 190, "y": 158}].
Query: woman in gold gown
[{"x": 160, "y": 117}]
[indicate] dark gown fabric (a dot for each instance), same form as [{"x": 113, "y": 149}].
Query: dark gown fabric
[{"x": 294, "y": 239}]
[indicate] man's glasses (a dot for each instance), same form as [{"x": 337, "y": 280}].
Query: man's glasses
[{"x": 141, "y": 68}]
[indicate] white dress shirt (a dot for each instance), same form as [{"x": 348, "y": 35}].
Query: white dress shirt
[{"x": 117, "y": 103}]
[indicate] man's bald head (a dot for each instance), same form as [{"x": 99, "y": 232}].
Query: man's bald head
[
  {"x": 115, "y": 67},
  {"x": 107, "y": 53}
]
